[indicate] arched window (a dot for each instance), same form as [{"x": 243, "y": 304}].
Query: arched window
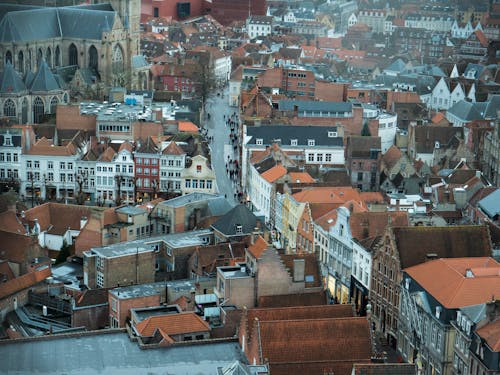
[
  {"x": 20, "y": 60},
  {"x": 9, "y": 108},
  {"x": 25, "y": 111},
  {"x": 30, "y": 59},
  {"x": 38, "y": 109},
  {"x": 8, "y": 57},
  {"x": 39, "y": 57},
  {"x": 117, "y": 59},
  {"x": 57, "y": 59},
  {"x": 53, "y": 104},
  {"x": 73, "y": 55},
  {"x": 48, "y": 57},
  {"x": 93, "y": 58}
]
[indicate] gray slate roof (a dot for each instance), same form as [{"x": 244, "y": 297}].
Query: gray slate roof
[
  {"x": 467, "y": 111},
  {"x": 239, "y": 215},
  {"x": 30, "y": 24},
  {"x": 491, "y": 204},
  {"x": 269, "y": 135},
  {"x": 396, "y": 66},
  {"x": 112, "y": 354},
  {"x": 11, "y": 82},
  {"x": 44, "y": 80},
  {"x": 308, "y": 105}
]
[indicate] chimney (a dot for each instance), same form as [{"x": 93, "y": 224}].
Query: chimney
[
  {"x": 243, "y": 331},
  {"x": 299, "y": 268},
  {"x": 491, "y": 309}
]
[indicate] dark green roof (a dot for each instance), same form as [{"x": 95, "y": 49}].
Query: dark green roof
[
  {"x": 44, "y": 80},
  {"x": 11, "y": 82},
  {"x": 239, "y": 215}
]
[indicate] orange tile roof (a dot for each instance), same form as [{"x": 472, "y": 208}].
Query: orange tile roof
[
  {"x": 491, "y": 334},
  {"x": 438, "y": 117},
  {"x": 456, "y": 241},
  {"x": 188, "y": 126},
  {"x": 371, "y": 224},
  {"x": 308, "y": 342},
  {"x": 274, "y": 173},
  {"x": 300, "y": 177},
  {"x": 172, "y": 324},
  {"x": 327, "y": 220},
  {"x": 336, "y": 195},
  {"x": 126, "y": 146},
  {"x": 294, "y": 300},
  {"x": 481, "y": 37},
  {"x": 372, "y": 197},
  {"x": 297, "y": 312},
  {"x": 445, "y": 279},
  {"x": 257, "y": 156},
  {"x": 107, "y": 155},
  {"x": 258, "y": 247},
  {"x": 46, "y": 147},
  {"x": 24, "y": 281},
  {"x": 391, "y": 156},
  {"x": 173, "y": 149},
  {"x": 329, "y": 43},
  {"x": 10, "y": 223}
]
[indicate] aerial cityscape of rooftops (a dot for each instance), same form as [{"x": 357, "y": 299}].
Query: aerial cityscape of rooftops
[{"x": 250, "y": 187}]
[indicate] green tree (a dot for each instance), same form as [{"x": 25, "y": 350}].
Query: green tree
[
  {"x": 63, "y": 253},
  {"x": 365, "y": 132}
]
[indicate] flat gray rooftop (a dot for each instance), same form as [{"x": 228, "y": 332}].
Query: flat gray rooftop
[{"x": 112, "y": 354}]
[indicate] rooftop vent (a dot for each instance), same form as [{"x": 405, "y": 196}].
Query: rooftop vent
[{"x": 469, "y": 273}]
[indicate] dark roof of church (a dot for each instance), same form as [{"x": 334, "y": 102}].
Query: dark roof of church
[
  {"x": 44, "y": 79},
  {"x": 19, "y": 24},
  {"x": 10, "y": 81}
]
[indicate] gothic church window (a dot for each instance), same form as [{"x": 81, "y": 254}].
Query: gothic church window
[
  {"x": 9, "y": 108},
  {"x": 38, "y": 109},
  {"x": 20, "y": 60},
  {"x": 53, "y": 104},
  {"x": 117, "y": 59},
  {"x": 48, "y": 57},
  {"x": 8, "y": 57},
  {"x": 57, "y": 59},
  {"x": 93, "y": 60},
  {"x": 73, "y": 55},
  {"x": 39, "y": 57},
  {"x": 24, "y": 110}
]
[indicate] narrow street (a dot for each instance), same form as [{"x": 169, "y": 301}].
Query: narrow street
[{"x": 221, "y": 149}]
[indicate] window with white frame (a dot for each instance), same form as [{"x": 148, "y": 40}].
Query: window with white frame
[
  {"x": 294, "y": 142},
  {"x": 311, "y": 142},
  {"x": 259, "y": 141}
]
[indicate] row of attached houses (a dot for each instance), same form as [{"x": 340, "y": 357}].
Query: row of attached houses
[{"x": 103, "y": 173}]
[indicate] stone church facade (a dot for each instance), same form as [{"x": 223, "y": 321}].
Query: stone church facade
[{"x": 100, "y": 39}]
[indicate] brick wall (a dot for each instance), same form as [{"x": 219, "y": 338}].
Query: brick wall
[
  {"x": 273, "y": 279},
  {"x": 92, "y": 317},
  {"x": 128, "y": 270},
  {"x": 123, "y": 306},
  {"x": 240, "y": 291}
]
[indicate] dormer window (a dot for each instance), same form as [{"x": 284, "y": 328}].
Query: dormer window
[
  {"x": 7, "y": 139},
  {"x": 311, "y": 142},
  {"x": 438, "y": 311},
  {"x": 294, "y": 142},
  {"x": 259, "y": 141},
  {"x": 332, "y": 134},
  {"x": 239, "y": 229}
]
